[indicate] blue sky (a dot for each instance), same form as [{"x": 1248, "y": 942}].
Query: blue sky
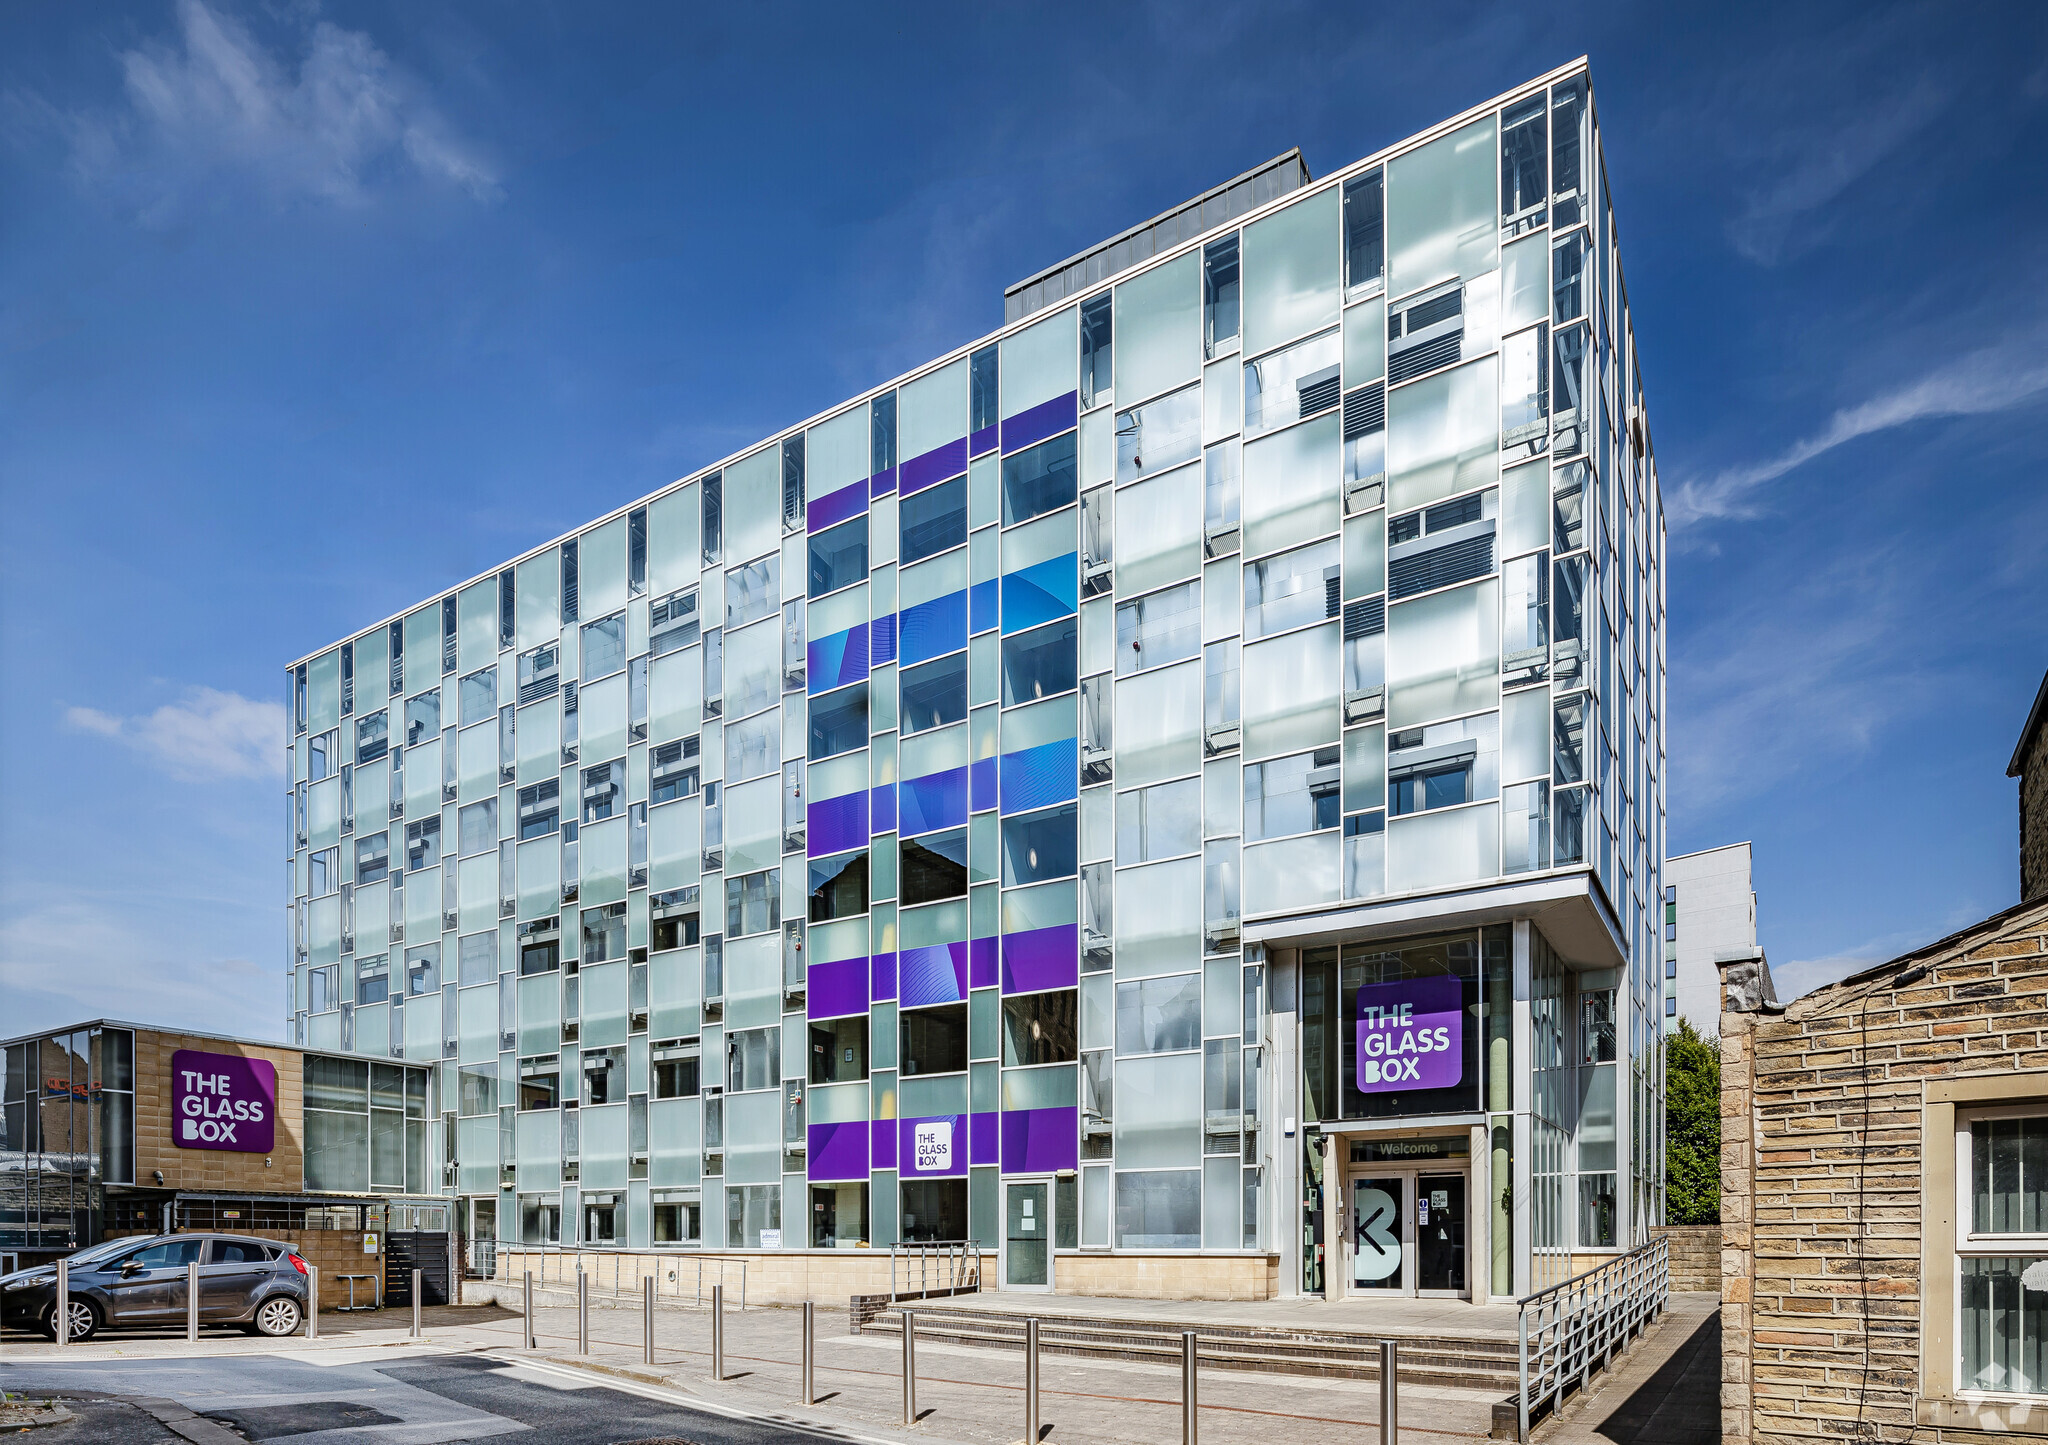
[{"x": 309, "y": 311}]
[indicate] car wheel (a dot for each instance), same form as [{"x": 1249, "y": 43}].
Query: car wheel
[
  {"x": 85, "y": 1322},
  {"x": 278, "y": 1316}
]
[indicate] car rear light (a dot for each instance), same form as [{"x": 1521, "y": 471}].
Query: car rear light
[{"x": 297, "y": 1263}]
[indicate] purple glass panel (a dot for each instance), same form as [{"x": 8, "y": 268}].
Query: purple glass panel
[
  {"x": 833, "y": 990},
  {"x": 884, "y": 808},
  {"x": 835, "y": 507},
  {"x": 838, "y": 1151},
  {"x": 882, "y": 639},
  {"x": 1038, "y": 1141},
  {"x": 940, "y": 464},
  {"x": 987, "y": 1140},
  {"x": 882, "y": 977},
  {"x": 833, "y": 825},
  {"x": 982, "y": 963},
  {"x": 984, "y": 770},
  {"x": 1035, "y": 424},
  {"x": 936, "y": 973},
  {"x": 1411, "y": 1034},
  {"x": 936, "y": 800},
  {"x": 933, "y": 1148},
  {"x": 837, "y": 659},
  {"x": 1036, "y": 777},
  {"x": 1041, "y": 958},
  {"x": 882, "y": 483},
  {"x": 882, "y": 1134},
  {"x": 981, "y": 441}
]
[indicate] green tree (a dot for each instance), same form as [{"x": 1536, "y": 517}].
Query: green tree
[{"x": 1692, "y": 1126}]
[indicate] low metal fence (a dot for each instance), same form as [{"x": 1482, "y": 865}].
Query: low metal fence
[
  {"x": 950, "y": 1266},
  {"x": 1574, "y": 1327},
  {"x": 619, "y": 1271}
]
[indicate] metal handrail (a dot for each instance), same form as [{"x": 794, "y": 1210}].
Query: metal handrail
[
  {"x": 1569, "y": 1327},
  {"x": 951, "y": 1264},
  {"x": 668, "y": 1275}
]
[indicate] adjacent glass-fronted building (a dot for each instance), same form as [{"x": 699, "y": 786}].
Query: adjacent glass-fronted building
[{"x": 1182, "y": 774}]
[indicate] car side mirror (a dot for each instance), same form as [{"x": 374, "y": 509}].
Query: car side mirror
[{"x": 132, "y": 1266}]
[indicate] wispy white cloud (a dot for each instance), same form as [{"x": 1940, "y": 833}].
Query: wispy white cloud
[
  {"x": 326, "y": 116},
  {"x": 1800, "y": 976},
  {"x": 204, "y": 736},
  {"x": 1993, "y": 379}
]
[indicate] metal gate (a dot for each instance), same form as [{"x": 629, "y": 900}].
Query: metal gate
[{"x": 427, "y": 1251}]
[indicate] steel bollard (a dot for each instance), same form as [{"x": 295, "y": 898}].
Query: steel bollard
[
  {"x": 909, "y": 1368},
  {"x": 532, "y": 1336},
  {"x": 192, "y": 1301},
  {"x": 647, "y": 1310},
  {"x": 1187, "y": 1388},
  {"x": 62, "y": 1316},
  {"x": 810, "y": 1381},
  {"x": 582, "y": 1313},
  {"x": 718, "y": 1332},
  {"x": 1031, "y": 1382},
  {"x": 415, "y": 1304},
  {"x": 1390, "y": 1392},
  {"x": 312, "y": 1301}
]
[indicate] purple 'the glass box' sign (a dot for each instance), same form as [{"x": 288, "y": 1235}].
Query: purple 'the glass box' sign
[
  {"x": 223, "y": 1101},
  {"x": 1411, "y": 1034}
]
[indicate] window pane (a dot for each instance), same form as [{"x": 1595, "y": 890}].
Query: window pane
[
  {"x": 1290, "y": 487},
  {"x": 1159, "y": 522},
  {"x": 1289, "y": 691},
  {"x": 2004, "y": 1325},
  {"x": 1158, "y": 722},
  {"x": 931, "y": 411},
  {"x": 1159, "y": 1111},
  {"x": 1292, "y": 589},
  {"x": 1038, "y": 363},
  {"x": 1158, "y": 329},
  {"x": 1159, "y": 1015},
  {"x": 1159, "y": 822},
  {"x": 1157, "y": 930},
  {"x": 1443, "y": 654},
  {"x": 1162, "y": 628},
  {"x": 1298, "y": 873},
  {"x": 1292, "y": 265},
  {"x": 1443, "y": 435},
  {"x": 1440, "y": 210}
]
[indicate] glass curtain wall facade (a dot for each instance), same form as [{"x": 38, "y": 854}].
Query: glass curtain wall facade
[{"x": 795, "y": 855}]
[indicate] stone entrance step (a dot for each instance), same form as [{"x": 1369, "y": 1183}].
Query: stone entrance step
[{"x": 1475, "y": 1363}]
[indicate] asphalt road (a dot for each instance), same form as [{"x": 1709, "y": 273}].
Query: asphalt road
[{"x": 352, "y": 1401}]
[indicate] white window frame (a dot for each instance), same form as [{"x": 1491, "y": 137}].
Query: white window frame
[{"x": 1968, "y": 1244}]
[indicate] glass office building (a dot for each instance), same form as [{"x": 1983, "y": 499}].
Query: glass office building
[{"x": 1180, "y": 775}]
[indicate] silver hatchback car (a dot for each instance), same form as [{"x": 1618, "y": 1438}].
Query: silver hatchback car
[{"x": 258, "y": 1284}]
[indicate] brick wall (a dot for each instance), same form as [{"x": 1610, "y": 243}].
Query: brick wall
[
  {"x": 1695, "y": 1254},
  {"x": 156, "y": 1146},
  {"x": 1822, "y": 1105}
]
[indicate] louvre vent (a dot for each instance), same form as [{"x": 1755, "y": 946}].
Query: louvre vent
[
  {"x": 568, "y": 581},
  {"x": 1438, "y": 308},
  {"x": 1366, "y": 618},
  {"x": 1440, "y": 566},
  {"x": 535, "y": 691},
  {"x": 1319, "y": 390},
  {"x": 1332, "y": 592},
  {"x": 1424, "y": 356},
  {"x": 1365, "y": 411}
]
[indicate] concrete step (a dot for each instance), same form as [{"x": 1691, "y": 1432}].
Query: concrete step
[{"x": 1477, "y": 1363}]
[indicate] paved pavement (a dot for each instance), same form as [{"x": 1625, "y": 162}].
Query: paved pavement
[{"x": 1665, "y": 1391}]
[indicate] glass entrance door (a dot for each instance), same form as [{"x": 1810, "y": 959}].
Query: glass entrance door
[
  {"x": 1027, "y": 1235},
  {"x": 1440, "y": 1233},
  {"x": 1377, "y": 1233}
]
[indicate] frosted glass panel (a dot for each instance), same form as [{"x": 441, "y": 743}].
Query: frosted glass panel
[
  {"x": 539, "y": 866},
  {"x": 1437, "y": 850},
  {"x": 674, "y": 845},
  {"x": 753, "y": 826},
  {"x": 753, "y": 668},
  {"x": 1038, "y": 363},
  {"x": 1158, "y": 330},
  {"x": 838, "y": 453},
  {"x": 675, "y": 696},
  {"x": 477, "y": 759},
  {"x": 1158, "y": 929},
  {"x": 1365, "y": 342},
  {"x": 539, "y": 731},
  {"x": 476, "y": 625},
  {"x": 752, "y": 499},
  {"x": 1159, "y": 1112},
  {"x": 477, "y": 891},
  {"x": 1443, "y": 655},
  {"x": 1296, "y": 873},
  {"x": 601, "y": 708},
  {"x": 323, "y": 813},
  {"x": 601, "y": 570},
  {"x": 1525, "y": 282},
  {"x": 423, "y": 779},
  {"x": 1441, "y": 216},
  {"x": 1289, "y": 692},
  {"x": 931, "y": 411},
  {"x": 1524, "y": 508},
  {"x": 674, "y": 527},
  {"x": 1158, "y": 722},
  {"x": 323, "y": 689},
  {"x": 1525, "y": 734},
  {"x": 1291, "y": 485},
  {"x": 1443, "y": 434},
  {"x": 1159, "y": 530},
  {"x": 537, "y": 609},
  {"x": 1293, "y": 280},
  {"x": 601, "y": 849},
  {"x": 422, "y": 649}
]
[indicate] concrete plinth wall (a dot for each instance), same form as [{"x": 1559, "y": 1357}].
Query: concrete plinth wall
[{"x": 1141, "y": 1276}]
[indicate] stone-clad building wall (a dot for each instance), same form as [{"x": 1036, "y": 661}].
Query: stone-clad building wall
[
  {"x": 1839, "y": 1114},
  {"x": 2033, "y": 771}
]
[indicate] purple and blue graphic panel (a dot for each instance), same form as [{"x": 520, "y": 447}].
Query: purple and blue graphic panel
[
  {"x": 934, "y": 801},
  {"x": 981, "y": 441},
  {"x": 838, "y": 1151},
  {"x": 1041, "y": 958},
  {"x": 1034, "y": 424},
  {"x": 882, "y": 483},
  {"x": 835, "y": 507},
  {"x": 1039, "y": 1141},
  {"x": 935, "y": 973},
  {"x": 934, "y": 628},
  {"x": 983, "y": 771},
  {"x": 883, "y": 812},
  {"x": 882, "y": 639},
  {"x": 882, "y": 977},
  {"x": 837, "y": 660},
  {"x": 940, "y": 464},
  {"x": 1041, "y": 592},
  {"x": 981, "y": 606},
  {"x": 1041, "y": 776},
  {"x": 987, "y": 1138},
  {"x": 882, "y": 1139},
  {"x": 836, "y": 825},
  {"x": 983, "y": 963},
  {"x": 836, "y": 989},
  {"x": 932, "y": 1148}
]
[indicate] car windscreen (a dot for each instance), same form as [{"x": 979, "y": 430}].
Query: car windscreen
[{"x": 102, "y": 1253}]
